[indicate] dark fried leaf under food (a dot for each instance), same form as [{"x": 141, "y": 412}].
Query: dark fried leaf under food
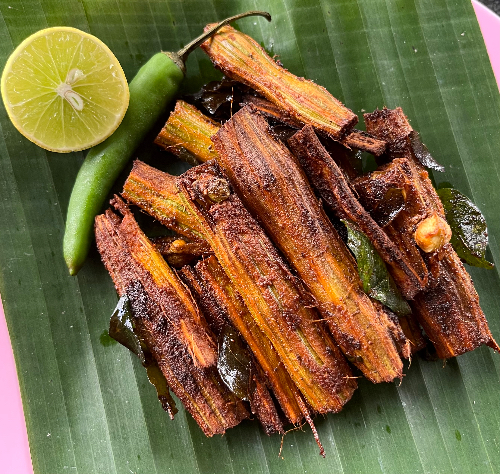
[{"x": 123, "y": 329}]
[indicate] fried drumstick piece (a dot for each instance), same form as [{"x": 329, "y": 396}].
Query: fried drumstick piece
[
  {"x": 241, "y": 58},
  {"x": 330, "y": 183},
  {"x": 245, "y": 374},
  {"x": 156, "y": 193},
  {"x": 276, "y": 300},
  {"x": 354, "y": 139},
  {"x": 448, "y": 309},
  {"x": 178, "y": 251},
  {"x": 272, "y": 185},
  {"x": 278, "y": 303},
  {"x": 216, "y": 290},
  {"x": 168, "y": 321},
  {"x": 187, "y": 134}
]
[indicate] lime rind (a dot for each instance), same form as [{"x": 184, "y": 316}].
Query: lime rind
[{"x": 64, "y": 90}]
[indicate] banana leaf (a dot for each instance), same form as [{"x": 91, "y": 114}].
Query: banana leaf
[{"x": 94, "y": 398}]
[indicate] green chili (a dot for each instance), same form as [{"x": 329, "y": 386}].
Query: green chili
[{"x": 154, "y": 86}]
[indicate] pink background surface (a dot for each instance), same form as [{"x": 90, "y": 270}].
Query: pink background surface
[{"x": 14, "y": 448}]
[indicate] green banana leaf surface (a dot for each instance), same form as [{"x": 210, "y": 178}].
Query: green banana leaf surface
[{"x": 93, "y": 397}]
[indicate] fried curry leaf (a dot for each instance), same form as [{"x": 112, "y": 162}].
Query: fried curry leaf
[
  {"x": 377, "y": 282},
  {"x": 389, "y": 207},
  {"x": 422, "y": 154},
  {"x": 220, "y": 98},
  {"x": 122, "y": 329},
  {"x": 468, "y": 225},
  {"x": 158, "y": 380},
  {"x": 234, "y": 363}
]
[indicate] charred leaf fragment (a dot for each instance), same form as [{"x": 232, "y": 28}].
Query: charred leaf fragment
[
  {"x": 241, "y": 58},
  {"x": 391, "y": 204},
  {"x": 221, "y": 98},
  {"x": 270, "y": 182},
  {"x": 121, "y": 328},
  {"x": 422, "y": 153},
  {"x": 234, "y": 363},
  {"x": 469, "y": 231}
]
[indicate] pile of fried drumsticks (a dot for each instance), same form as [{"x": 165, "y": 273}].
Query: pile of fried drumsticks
[{"x": 256, "y": 305}]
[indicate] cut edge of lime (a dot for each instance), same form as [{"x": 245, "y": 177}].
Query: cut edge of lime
[{"x": 15, "y": 54}]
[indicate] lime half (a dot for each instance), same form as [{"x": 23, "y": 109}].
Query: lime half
[{"x": 64, "y": 89}]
